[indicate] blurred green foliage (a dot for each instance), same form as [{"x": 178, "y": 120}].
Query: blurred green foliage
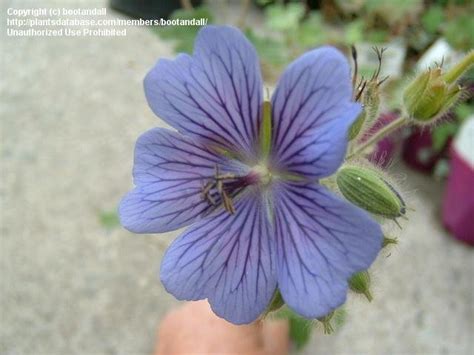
[
  {"x": 459, "y": 32},
  {"x": 394, "y": 13},
  {"x": 290, "y": 28},
  {"x": 184, "y": 35},
  {"x": 300, "y": 328},
  {"x": 109, "y": 219},
  {"x": 433, "y": 18},
  {"x": 284, "y": 17},
  {"x": 274, "y": 51}
]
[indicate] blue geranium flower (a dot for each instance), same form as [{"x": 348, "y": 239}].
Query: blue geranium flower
[{"x": 258, "y": 221}]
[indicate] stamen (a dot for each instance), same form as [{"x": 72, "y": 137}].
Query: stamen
[
  {"x": 227, "y": 202},
  {"x": 224, "y": 187},
  {"x": 205, "y": 193},
  {"x": 356, "y": 66}
]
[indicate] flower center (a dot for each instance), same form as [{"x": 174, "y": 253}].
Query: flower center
[
  {"x": 263, "y": 174},
  {"x": 223, "y": 187}
]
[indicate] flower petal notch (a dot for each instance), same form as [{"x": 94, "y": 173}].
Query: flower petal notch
[{"x": 241, "y": 175}]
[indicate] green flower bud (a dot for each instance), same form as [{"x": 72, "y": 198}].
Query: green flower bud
[
  {"x": 389, "y": 241},
  {"x": 365, "y": 188},
  {"x": 429, "y": 96},
  {"x": 360, "y": 283},
  {"x": 371, "y": 100},
  {"x": 371, "y": 104},
  {"x": 357, "y": 125},
  {"x": 326, "y": 322}
]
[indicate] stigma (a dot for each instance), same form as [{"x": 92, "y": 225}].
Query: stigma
[{"x": 262, "y": 173}]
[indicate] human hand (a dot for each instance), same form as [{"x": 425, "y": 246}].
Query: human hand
[{"x": 195, "y": 329}]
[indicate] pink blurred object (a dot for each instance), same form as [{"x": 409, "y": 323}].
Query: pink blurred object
[
  {"x": 458, "y": 202},
  {"x": 418, "y": 152},
  {"x": 385, "y": 148}
]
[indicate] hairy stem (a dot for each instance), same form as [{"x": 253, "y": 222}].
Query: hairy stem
[
  {"x": 460, "y": 68},
  {"x": 391, "y": 127}
]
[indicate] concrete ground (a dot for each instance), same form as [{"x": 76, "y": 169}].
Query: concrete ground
[{"x": 71, "y": 110}]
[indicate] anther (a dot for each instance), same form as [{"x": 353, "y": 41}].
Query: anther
[{"x": 217, "y": 183}]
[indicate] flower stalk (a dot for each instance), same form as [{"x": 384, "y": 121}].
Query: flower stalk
[
  {"x": 460, "y": 68},
  {"x": 385, "y": 131}
]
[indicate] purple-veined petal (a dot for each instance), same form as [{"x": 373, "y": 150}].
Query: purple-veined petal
[
  {"x": 227, "y": 259},
  {"x": 321, "y": 241},
  {"x": 214, "y": 95},
  {"x": 169, "y": 171},
  {"x": 312, "y": 112}
]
